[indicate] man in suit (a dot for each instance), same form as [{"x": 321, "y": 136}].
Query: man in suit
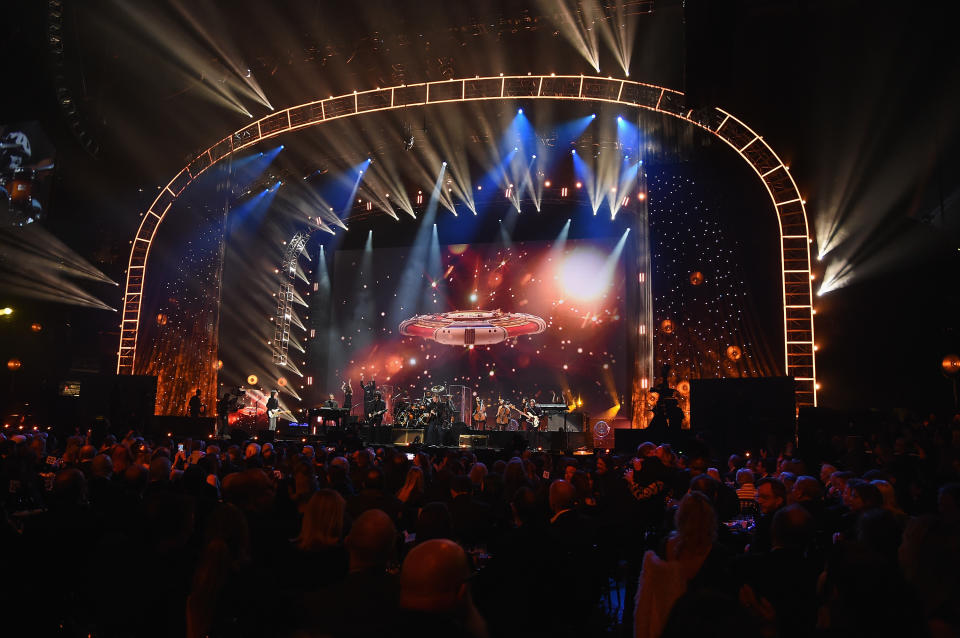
[
  {"x": 469, "y": 517},
  {"x": 344, "y": 608},
  {"x": 436, "y": 411},
  {"x": 273, "y": 407}
]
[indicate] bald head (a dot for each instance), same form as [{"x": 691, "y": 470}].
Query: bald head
[
  {"x": 562, "y": 496},
  {"x": 70, "y": 487},
  {"x": 434, "y": 577},
  {"x": 371, "y": 541},
  {"x": 102, "y": 466},
  {"x": 160, "y": 469}
]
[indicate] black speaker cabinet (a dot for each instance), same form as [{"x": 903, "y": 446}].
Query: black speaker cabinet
[
  {"x": 739, "y": 414},
  {"x": 408, "y": 436}
]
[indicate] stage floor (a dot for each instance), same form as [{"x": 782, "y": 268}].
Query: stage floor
[{"x": 554, "y": 441}]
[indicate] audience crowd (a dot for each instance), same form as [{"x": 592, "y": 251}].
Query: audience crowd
[{"x": 127, "y": 536}]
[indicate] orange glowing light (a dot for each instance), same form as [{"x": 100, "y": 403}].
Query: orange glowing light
[
  {"x": 696, "y": 278},
  {"x": 734, "y": 353},
  {"x": 282, "y": 382},
  {"x": 668, "y": 326},
  {"x": 951, "y": 364},
  {"x": 36, "y": 327},
  {"x": 14, "y": 364},
  {"x": 252, "y": 379}
]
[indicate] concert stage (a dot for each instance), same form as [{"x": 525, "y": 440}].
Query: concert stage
[
  {"x": 571, "y": 270},
  {"x": 461, "y": 438}
]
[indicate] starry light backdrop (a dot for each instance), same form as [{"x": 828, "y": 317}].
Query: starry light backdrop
[
  {"x": 703, "y": 320},
  {"x": 579, "y": 358},
  {"x": 183, "y": 313}
]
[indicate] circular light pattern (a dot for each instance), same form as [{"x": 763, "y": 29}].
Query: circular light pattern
[
  {"x": 282, "y": 382},
  {"x": 667, "y": 326},
  {"x": 252, "y": 379},
  {"x": 162, "y": 319},
  {"x": 218, "y": 365},
  {"x": 601, "y": 429},
  {"x": 683, "y": 388},
  {"x": 14, "y": 364},
  {"x": 951, "y": 364},
  {"x": 696, "y": 278},
  {"x": 36, "y": 327},
  {"x": 734, "y": 353}
]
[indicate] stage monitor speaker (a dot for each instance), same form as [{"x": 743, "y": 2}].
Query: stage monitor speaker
[
  {"x": 292, "y": 430},
  {"x": 408, "y": 436},
  {"x": 569, "y": 421},
  {"x": 125, "y": 401},
  {"x": 738, "y": 414},
  {"x": 473, "y": 440},
  {"x": 575, "y": 440}
]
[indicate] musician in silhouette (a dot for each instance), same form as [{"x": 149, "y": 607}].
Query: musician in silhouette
[
  {"x": 377, "y": 409},
  {"x": 667, "y": 413}
]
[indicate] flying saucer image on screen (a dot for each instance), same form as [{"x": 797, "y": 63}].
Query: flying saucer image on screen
[{"x": 472, "y": 327}]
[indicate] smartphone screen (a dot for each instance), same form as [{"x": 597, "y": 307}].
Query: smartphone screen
[{"x": 180, "y": 447}]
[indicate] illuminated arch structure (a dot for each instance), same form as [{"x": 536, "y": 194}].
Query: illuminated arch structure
[{"x": 798, "y": 311}]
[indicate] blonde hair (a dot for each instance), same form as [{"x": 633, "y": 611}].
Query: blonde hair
[
  {"x": 322, "y": 521},
  {"x": 696, "y": 523},
  {"x": 413, "y": 482}
]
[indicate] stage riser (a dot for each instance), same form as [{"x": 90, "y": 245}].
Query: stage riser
[{"x": 550, "y": 441}]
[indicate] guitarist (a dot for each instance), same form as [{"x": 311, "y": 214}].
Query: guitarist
[
  {"x": 273, "y": 409},
  {"x": 480, "y": 415},
  {"x": 533, "y": 414},
  {"x": 377, "y": 408}
]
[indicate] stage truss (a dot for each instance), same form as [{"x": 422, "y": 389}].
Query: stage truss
[
  {"x": 287, "y": 297},
  {"x": 789, "y": 205}
]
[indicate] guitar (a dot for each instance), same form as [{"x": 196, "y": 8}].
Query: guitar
[
  {"x": 376, "y": 414},
  {"x": 532, "y": 419}
]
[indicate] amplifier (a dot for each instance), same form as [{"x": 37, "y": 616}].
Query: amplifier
[
  {"x": 407, "y": 436},
  {"x": 473, "y": 440}
]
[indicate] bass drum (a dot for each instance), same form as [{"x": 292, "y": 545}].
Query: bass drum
[{"x": 512, "y": 426}]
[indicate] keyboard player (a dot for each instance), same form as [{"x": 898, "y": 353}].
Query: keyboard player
[{"x": 330, "y": 413}]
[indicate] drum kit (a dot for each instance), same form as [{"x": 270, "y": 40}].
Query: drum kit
[{"x": 416, "y": 413}]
